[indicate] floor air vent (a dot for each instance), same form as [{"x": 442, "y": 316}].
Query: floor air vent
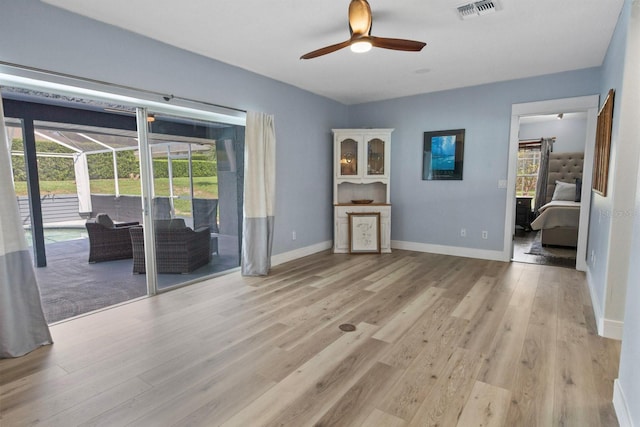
[
  {"x": 347, "y": 327},
  {"x": 471, "y": 10}
]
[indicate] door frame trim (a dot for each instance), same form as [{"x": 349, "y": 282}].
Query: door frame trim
[{"x": 588, "y": 104}]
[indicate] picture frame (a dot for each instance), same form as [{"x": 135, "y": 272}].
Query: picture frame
[
  {"x": 603, "y": 146},
  {"x": 364, "y": 232},
  {"x": 443, "y": 155}
]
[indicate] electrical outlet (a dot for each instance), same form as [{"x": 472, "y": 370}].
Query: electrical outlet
[
  {"x": 485, "y": 234},
  {"x": 293, "y": 235},
  {"x": 463, "y": 232}
]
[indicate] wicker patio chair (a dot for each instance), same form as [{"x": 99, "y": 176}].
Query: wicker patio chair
[
  {"x": 205, "y": 214},
  {"x": 108, "y": 241},
  {"x": 179, "y": 249}
]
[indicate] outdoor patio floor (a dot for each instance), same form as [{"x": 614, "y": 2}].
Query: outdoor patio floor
[{"x": 70, "y": 286}]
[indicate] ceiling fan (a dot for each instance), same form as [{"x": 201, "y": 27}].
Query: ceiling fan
[{"x": 361, "y": 39}]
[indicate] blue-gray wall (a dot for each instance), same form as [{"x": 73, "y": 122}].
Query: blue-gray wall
[
  {"x": 433, "y": 212},
  {"x": 38, "y": 35},
  {"x": 570, "y": 133},
  {"x": 629, "y": 375},
  {"x": 602, "y": 208},
  {"x": 628, "y": 385}
]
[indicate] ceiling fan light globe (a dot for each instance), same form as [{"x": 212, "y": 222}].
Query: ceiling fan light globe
[{"x": 361, "y": 46}]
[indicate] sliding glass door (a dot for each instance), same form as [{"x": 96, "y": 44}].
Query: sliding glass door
[
  {"x": 170, "y": 189},
  {"x": 194, "y": 198}
]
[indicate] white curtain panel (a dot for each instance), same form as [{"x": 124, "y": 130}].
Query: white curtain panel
[
  {"x": 259, "y": 194},
  {"x": 23, "y": 327}
]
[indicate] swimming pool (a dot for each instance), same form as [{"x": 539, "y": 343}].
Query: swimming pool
[{"x": 55, "y": 235}]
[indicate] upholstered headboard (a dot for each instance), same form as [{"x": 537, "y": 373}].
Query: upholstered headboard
[{"x": 565, "y": 167}]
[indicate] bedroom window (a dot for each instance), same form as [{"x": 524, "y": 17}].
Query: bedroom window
[{"x": 527, "y": 175}]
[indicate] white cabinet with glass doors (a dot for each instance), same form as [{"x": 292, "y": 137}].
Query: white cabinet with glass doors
[{"x": 361, "y": 181}]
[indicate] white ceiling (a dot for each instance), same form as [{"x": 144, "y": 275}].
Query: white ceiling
[{"x": 525, "y": 38}]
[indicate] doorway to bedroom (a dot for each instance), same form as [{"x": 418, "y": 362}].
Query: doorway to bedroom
[{"x": 558, "y": 136}]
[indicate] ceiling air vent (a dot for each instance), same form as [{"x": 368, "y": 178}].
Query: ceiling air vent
[{"x": 483, "y": 7}]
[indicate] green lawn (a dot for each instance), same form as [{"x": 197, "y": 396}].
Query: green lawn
[
  {"x": 48, "y": 187},
  {"x": 204, "y": 187}
]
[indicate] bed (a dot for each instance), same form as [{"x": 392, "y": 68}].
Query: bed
[{"x": 558, "y": 219}]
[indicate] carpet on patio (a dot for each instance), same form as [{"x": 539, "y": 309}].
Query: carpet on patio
[{"x": 70, "y": 286}]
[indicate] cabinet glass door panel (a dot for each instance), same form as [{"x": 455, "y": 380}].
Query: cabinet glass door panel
[
  {"x": 348, "y": 157},
  {"x": 375, "y": 157}
]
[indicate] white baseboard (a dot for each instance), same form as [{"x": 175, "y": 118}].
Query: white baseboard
[
  {"x": 595, "y": 303},
  {"x": 395, "y": 244},
  {"x": 301, "y": 252},
  {"x": 449, "y": 250},
  {"x": 612, "y": 329},
  {"x": 620, "y": 405},
  {"x": 607, "y": 328}
]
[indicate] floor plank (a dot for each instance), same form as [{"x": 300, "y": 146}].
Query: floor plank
[
  {"x": 486, "y": 407},
  {"x": 472, "y": 302},
  {"x": 425, "y": 371},
  {"x": 279, "y": 397},
  {"x": 331, "y": 387},
  {"x": 450, "y": 392},
  {"x": 360, "y": 400},
  {"x": 532, "y": 397},
  {"x": 398, "y": 325},
  {"x": 440, "y": 340},
  {"x": 377, "y": 418}
]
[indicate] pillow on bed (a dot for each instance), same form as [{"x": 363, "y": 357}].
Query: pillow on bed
[
  {"x": 564, "y": 191},
  {"x": 578, "y": 189}
]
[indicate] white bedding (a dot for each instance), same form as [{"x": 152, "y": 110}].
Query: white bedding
[{"x": 558, "y": 213}]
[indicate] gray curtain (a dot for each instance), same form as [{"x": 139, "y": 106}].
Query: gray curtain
[
  {"x": 546, "y": 147},
  {"x": 23, "y": 327},
  {"x": 259, "y": 194}
]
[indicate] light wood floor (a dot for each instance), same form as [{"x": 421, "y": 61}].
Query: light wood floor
[{"x": 440, "y": 341}]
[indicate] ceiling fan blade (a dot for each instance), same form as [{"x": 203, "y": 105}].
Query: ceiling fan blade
[
  {"x": 397, "y": 44},
  {"x": 325, "y": 50},
  {"x": 359, "y": 17}
]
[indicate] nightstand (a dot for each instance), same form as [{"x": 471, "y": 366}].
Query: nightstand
[{"x": 524, "y": 212}]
